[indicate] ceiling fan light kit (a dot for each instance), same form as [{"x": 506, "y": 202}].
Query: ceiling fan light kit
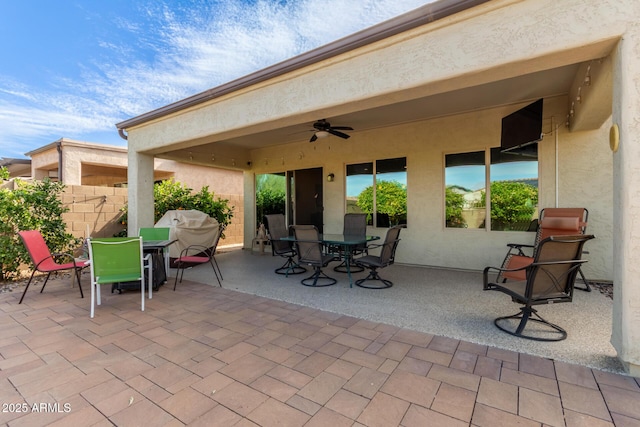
[{"x": 324, "y": 129}]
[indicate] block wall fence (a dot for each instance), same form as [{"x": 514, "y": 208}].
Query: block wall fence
[{"x": 98, "y": 209}]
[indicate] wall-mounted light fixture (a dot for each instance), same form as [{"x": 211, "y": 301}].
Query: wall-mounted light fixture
[{"x": 330, "y": 177}]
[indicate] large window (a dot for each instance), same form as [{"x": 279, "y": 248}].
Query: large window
[
  {"x": 379, "y": 189},
  {"x": 513, "y": 179}
]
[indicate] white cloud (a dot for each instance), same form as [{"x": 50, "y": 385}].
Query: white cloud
[{"x": 176, "y": 53}]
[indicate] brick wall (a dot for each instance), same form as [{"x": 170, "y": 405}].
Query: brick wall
[{"x": 99, "y": 209}]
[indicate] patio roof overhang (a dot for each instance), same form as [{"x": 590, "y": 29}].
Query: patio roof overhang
[{"x": 551, "y": 75}]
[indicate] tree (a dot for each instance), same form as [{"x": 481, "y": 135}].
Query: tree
[
  {"x": 270, "y": 195},
  {"x": 391, "y": 199},
  {"x": 512, "y": 204},
  {"x": 454, "y": 202}
]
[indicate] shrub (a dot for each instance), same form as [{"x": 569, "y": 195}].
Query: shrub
[
  {"x": 33, "y": 205},
  {"x": 170, "y": 195}
]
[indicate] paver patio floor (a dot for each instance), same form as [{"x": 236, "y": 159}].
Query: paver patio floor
[{"x": 210, "y": 356}]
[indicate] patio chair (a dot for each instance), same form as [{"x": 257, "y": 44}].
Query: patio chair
[
  {"x": 277, "y": 229},
  {"x": 199, "y": 254},
  {"x": 46, "y": 262},
  {"x": 309, "y": 248},
  {"x": 374, "y": 262},
  {"x": 549, "y": 279},
  {"x": 158, "y": 233},
  {"x": 118, "y": 260},
  {"x": 355, "y": 224},
  {"x": 552, "y": 222}
]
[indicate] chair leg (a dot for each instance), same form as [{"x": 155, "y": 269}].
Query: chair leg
[
  {"x": 525, "y": 315},
  {"x": 213, "y": 265},
  {"x": 374, "y": 276},
  {"x": 78, "y": 274},
  {"x": 219, "y": 271},
  {"x": 45, "y": 281},
  {"x": 290, "y": 267},
  {"x": 319, "y": 275},
  {"x": 179, "y": 269},
  {"x": 587, "y": 287},
  {"x": 27, "y": 287}
]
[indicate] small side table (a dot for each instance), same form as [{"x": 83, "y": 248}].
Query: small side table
[{"x": 261, "y": 242}]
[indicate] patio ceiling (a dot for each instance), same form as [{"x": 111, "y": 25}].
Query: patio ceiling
[{"x": 543, "y": 84}]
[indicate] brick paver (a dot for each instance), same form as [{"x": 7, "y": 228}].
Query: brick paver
[{"x": 209, "y": 356}]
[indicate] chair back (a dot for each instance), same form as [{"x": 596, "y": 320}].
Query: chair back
[
  {"x": 388, "y": 252},
  {"x": 277, "y": 227},
  {"x": 116, "y": 259},
  {"x": 555, "y": 266},
  {"x": 561, "y": 222},
  {"x": 309, "y": 244},
  {"x": 37, "y": 248},
  {"x": 154, "y": 233},
  {"x": 355, "y": 224}
]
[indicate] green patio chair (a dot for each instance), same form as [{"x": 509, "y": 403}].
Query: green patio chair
[
  {"x": 116, "y": 260},
  {"x": 158, "y": 233}
]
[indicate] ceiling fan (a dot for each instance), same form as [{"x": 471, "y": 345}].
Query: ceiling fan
[{"x": 324, "y": 128}]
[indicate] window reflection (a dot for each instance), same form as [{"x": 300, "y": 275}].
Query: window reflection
[
  {"x": 271, "y": 192},
  {"x": 359, "y": 178},
  {"x": 465, "y": 178},
  {"x": 381, "y": 192},
  {"x": 514, "y": 188}
]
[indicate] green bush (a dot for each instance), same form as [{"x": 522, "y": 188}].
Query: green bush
[
  {"x": 454, "y": 204},
  {"x": 170, "y": 195},
  {"x": 512, "y": 205},
  {"x": 391, "y": 199},
  {"x": 33, "y": 205}
]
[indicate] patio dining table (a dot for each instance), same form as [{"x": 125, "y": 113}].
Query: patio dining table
[{"x": 346, "y": 242}]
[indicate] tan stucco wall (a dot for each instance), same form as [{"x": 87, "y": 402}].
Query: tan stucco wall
[{"x": 585, "y": 180}]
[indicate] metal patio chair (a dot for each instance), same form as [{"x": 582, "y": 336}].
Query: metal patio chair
[{"x": 549, "y": 279}]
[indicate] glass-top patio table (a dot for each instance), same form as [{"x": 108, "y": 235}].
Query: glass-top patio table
[{"x": 346, "y": 241}]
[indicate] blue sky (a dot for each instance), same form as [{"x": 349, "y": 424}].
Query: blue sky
[{"x": 75, "y": 68}]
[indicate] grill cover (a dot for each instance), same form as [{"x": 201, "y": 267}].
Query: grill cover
[{"x": 189, "y": 227}]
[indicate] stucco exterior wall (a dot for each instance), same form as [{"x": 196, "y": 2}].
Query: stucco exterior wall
[{"x": 584, "y": 180}]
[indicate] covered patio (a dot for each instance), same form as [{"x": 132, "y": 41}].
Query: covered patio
[
  {"x": 424, "y": 91},
  {"x": 266, "y": 350}
]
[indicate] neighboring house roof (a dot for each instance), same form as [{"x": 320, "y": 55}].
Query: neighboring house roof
[{"x": 16, "y": 167}]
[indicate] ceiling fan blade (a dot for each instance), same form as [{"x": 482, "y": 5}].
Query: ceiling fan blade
[
  {"x": 333, "y": 131},
  {"x": 342, "y": 127},
  {"x": 313, "y": 138}
]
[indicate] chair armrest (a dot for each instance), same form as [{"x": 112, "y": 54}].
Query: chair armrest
[
  {"x": 191, "y": 248},
  {"x": 519, "y": 245}
]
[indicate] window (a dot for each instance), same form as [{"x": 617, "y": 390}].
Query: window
[
  {"x": 465, "y": 183},
  {"x": 380, "y": 190},
  {"x": 513, "y": 191},
  {"x": 514, "y": 188}
]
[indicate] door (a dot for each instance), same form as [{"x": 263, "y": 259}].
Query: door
[{"x": 308, "y": 203}]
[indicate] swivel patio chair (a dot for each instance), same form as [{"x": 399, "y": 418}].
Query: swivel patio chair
[
  {"x": 46, "y": 262},
  {"x": 310, "y": 252},
  {"x": 118, "y": 260},
  {"x": 277, "y": 230},
  {"x": 549, "y": 279},
  {"x": 552, "y": 222},
  {"x": 374, "y": 262},
  {"x": 199, "y": 254},
  {"x": 355, "y": 224}
]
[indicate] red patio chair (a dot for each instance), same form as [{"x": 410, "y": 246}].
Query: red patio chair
[{"x": 46, "y": 262}]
